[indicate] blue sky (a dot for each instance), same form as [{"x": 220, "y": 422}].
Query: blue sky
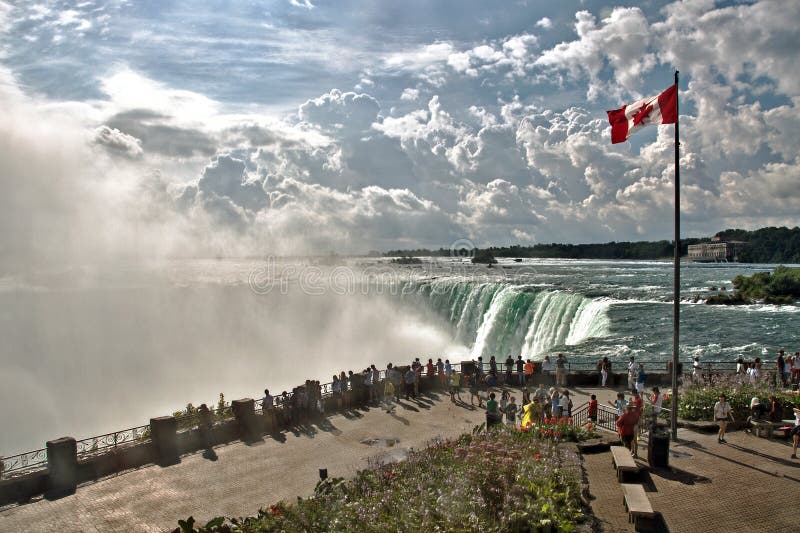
[{"x": 302, "y": 125}]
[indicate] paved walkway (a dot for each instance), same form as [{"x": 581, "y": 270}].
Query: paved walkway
[
  {"x": 750, "y": 484},
  {"x": 244, "y": 478}
]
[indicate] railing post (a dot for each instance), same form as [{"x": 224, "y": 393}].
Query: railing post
[
  {"x": 164, "y": 435},
  {"x": 244, "y": 411},
  {"x": 62, "y": 466}
]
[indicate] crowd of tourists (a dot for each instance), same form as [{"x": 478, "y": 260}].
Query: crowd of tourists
[{"x": 491, "y": 385}]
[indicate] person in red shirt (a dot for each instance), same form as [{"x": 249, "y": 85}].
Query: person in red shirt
[
  {"x": 592, "y": 413},
  {"x": 626, "y": 424}
]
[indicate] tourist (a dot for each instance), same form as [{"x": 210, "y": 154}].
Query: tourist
[
  {"x": 509, "y": 369},
  {"x": 561, "y": 370},
  {"x": 604, "y": 368},
  {"x": 566, "y": 404},
  {"x": 779, "y": 370},
  {"x": 493, "y": 415},
  {"x": 625, "y": 426},
  {"x": 491, "y": 379},
  {"x": 430, "y": 371},
  {"x": 753, "y": 373},
  {"x": 479, "y": 366},
  {"x": 697, "y": 371},
  {"x": 796, "y": 368},
  {"x": 757, "y": 409},
  {"x": 504, "y": 400},
  {"x": 540, "y": 397},
  {"x": 775, "y": 409},
  {"x": 722, "y": 410},
  {"x": 555, "y": 403},
  {"x": 417, "y": 377},
  {"x": 492, "y": 365},
  {"x": 388, "y": 392},
  {"x": 411, "y": 380},
  {"x": 455, "y": 386},
  {"x": 336, "y": 389},
  {"x": 619, "y": 404},
  {"x": 376, "y": 383},
  {"x": 631, "y": 373},
  {"x": 205, "y": 426},
  {"x": 531, "y": 412},
  {"x": 740, "y": 371},
  {"x": 795, "y": 432},
  {"x": 591, "y": 412},
  {"x": 520, "y": 371},
  {"x": 529, "y": 372},
  {"x": 448, "y": 368},
  {"x": 638, "y": 404},
  {"x": 547, "y": 370},
  {"x": 511, "y": 411},
  {"x": 440, "y": 373},
  {"x": 345, "y": 384},
  {"x": 787, "y": 370},
  {"x": 656, "y": 399},
  {"x": 366, "y": 380},
  {"x": 473, "y": 388},
  {"x": 641, "y": 378}
]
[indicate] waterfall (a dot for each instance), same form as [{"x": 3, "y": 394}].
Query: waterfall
[{"x": 502, "y": 319}]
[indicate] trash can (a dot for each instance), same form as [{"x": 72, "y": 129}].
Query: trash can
[{"x": 658, "y": 447}]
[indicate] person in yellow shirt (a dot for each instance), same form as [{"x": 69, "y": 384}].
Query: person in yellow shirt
[
  {"x": 455, "y": 386},
  {"x": 531, "y": 413}
]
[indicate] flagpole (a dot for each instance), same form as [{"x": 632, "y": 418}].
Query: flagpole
[{"x": 676, "y": 289}]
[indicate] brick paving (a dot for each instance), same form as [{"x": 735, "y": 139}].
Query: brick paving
[
  {"x": 749, "y": 484},
  {"x": 243, "y": 477}
]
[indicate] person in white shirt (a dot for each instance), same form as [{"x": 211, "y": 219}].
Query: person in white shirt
[
  {"x": 547, "y": 369},
  {"x": 631, "y": 373},
  {"x": 722, "y": 410}
]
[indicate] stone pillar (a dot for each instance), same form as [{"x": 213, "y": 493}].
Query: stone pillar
[
  {"x": 62, "y": 466},
  {"x": 164, "y": 434},
  {"x": 244, "y": 411}
]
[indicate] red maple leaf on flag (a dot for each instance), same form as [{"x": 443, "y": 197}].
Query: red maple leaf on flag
[{"x": 642, "y": 114}]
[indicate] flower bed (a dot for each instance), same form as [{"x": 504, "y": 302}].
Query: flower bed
[
  {"x": 506, "y": 480},
  {"x": 560, "y": 429}
]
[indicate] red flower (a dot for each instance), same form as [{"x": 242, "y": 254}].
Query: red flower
[
  {"x": 537, "y": 457},
  {"x": 275, "y": 510}
]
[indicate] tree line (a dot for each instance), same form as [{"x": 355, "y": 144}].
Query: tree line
[{"x": 766, "y": 245}]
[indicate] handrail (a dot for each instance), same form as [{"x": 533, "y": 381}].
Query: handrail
[
  {"x": 111, "y": 441},
  {"x": 23, "y": 463},
  {"x": 34, "y": 460}
]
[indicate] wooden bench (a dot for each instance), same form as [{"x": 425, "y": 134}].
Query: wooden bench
[
  {"x": 623, "y": 461},
  {"x": 640, "y": 512}
]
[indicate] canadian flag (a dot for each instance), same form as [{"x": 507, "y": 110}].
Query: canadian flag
[{"x": 661, "y": 109}]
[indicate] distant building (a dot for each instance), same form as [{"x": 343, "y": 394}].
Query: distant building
[{"x": 716, "y": 252}]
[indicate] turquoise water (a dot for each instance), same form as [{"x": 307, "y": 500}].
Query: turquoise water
[{"x": 591, "y": 309}]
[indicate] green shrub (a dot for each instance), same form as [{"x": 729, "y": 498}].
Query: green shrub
[{"x": 697, "y": 402}]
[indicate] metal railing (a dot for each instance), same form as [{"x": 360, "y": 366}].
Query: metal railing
[
  {"x": 606, "y": 416},
  {"x": 23, "y": 463},
  {"x": 112, "y": 441},
  {"x": 27, "y": 462}
]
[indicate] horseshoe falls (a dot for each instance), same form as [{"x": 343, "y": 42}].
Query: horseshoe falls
[{"x": 507, "y": 319}]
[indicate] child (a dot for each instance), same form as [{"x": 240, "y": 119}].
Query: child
[
  {"x": 619, "y": 403},
  {"x": 511, "y": 411},
  {"x": 592, "y": 413}
]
